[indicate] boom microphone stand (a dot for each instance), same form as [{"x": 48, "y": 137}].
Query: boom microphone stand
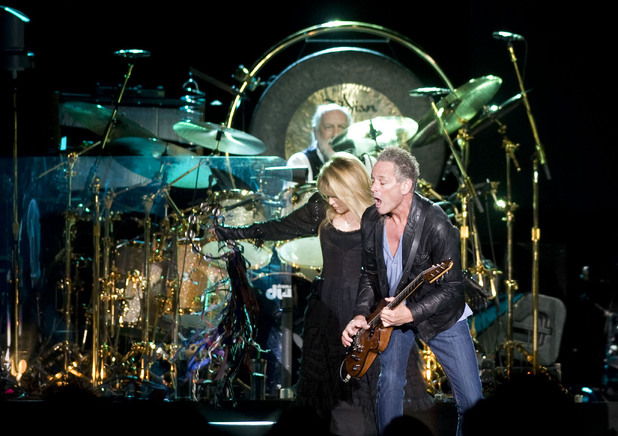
[{"x": 539, "y": 159}]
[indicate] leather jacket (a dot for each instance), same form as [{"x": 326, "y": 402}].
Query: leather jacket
[{"x": 435, "y": 306}]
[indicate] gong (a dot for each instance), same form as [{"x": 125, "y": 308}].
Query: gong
[{"x": 367, "y": 82}]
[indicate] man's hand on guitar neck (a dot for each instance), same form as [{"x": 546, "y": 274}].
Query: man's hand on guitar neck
[{"x": 398, "y": 316}]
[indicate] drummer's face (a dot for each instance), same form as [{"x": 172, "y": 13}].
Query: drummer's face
[
  {"x": 332, "y": 124},
  {"x": 339, "y": 206}
]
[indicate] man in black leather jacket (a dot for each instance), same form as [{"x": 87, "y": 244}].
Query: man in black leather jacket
[{"x": 401, "y": 225}]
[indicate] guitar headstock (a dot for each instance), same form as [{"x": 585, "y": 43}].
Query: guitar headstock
[{"x": 436, "y": 271}]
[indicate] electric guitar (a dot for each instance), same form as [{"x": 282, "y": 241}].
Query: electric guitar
[{"x": 368, "y": 343}]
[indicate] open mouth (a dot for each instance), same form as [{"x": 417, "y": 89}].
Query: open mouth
[{"x": 377, "y": 201}]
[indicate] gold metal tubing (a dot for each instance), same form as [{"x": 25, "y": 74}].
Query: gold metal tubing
[
  {"x": 331, "y": 26},
  {"x": 96, "y": 296}
]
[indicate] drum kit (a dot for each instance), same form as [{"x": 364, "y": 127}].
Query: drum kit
[{"x": 168, "y": 281}]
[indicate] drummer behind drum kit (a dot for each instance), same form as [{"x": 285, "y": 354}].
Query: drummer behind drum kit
[{"x": 174, "y": 277}]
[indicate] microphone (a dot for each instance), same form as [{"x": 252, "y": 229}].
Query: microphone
[{"x": 507, "y": 36}]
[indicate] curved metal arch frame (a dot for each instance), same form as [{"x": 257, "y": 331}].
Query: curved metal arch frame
[{"x": 331, "y": 26}]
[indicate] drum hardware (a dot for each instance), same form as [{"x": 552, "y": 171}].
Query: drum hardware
[
  {"x": 372, "y": 135},
  {"x": 492, "y": 114},
  {"x": 131, "y": 55},
  {"x": 162, "y": 161},
  {"x": 219, "y": 138},
  {"x": 456, "y": 108},
  {"x": 427, "y": 190},
  {"x": 194, "y": 98},
  {"x": 97, "y": 118},
  {"x": 219, "y": 84}
]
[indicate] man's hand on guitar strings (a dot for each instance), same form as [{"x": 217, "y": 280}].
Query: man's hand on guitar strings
[{"x": 347, "y": 336}]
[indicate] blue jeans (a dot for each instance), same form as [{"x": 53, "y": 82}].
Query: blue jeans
[{"x": 455, "y": 352}]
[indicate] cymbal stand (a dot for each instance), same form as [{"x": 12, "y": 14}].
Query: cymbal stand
[
  {"x": 68, "y": 259},
  {"x": 112, "y": 121},
  {"x": 109, "y": 291},
  {"x": 539, "y": 159},
  {"x": 467, "y": 186},
  {"x": 148, "y": 201},
  {"x": 482, "y": 275},
  {"x": 97, "y": 370}
]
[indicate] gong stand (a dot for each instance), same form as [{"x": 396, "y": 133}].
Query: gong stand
[{"x": 538, "y": 159}]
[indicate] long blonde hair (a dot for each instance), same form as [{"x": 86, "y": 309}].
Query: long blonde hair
[{"x": 344, "y": 176}]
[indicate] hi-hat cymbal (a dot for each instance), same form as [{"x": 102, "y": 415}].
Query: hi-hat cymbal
[
  {"x": 95, "y": 118},
  {"x": 219, "y": 138},
  {"x": 366, "y": 137},
  {"x": 457, "y": 108},
  {"x": 160, "y": 160}
]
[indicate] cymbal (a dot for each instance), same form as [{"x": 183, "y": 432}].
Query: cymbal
[
  {"x": 220, "y": 138},
  {"x": 495, "y": 112},
  {"x": 159, "y": 160},
  {"x": 95, "y": 118},
  {"x": 365, "y": 137},
  {"x": 458, "y": 108},
  {"x": 149, "y": 147}
]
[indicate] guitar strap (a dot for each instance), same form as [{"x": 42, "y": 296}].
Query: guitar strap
[{"x": 414, "y": 248}]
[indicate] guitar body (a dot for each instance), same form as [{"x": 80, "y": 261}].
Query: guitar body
[{"x": 367, "y": 345}]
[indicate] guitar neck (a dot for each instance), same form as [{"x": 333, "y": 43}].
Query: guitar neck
[
  {"x": 407, "y": 291},
  {"x": 430, "y": 275}
]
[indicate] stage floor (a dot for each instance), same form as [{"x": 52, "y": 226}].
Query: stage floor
[{"x": 82, "y": 412}]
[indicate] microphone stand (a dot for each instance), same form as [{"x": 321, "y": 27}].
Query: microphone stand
[
  {"x": 14, "y": 58},
  {"x": 509, "y": 208},
  {"x": 539, "y": 159}
]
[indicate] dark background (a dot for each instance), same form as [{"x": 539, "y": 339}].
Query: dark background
[{"x": 566, "y": 64}]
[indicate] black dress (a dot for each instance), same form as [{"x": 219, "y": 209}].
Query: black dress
[{"x": 349, "y": 406}]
